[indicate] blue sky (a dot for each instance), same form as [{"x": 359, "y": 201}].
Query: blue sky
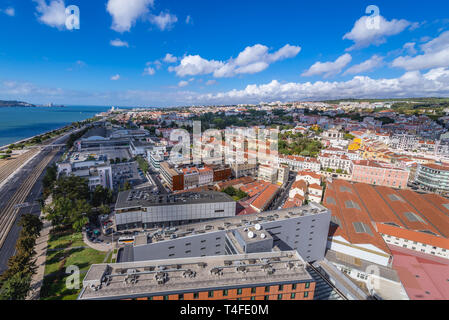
[{"x": 164, "y": 53}]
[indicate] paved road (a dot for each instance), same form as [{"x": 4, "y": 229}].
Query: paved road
[
  {"x": 158, "y": 182},
  {"x": 283, "y": 194},
  {"x": 8, "y": 248}
]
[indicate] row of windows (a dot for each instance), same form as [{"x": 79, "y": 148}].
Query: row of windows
[{"x": 210, "y": 295}]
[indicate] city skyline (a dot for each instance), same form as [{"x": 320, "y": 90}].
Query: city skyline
[{"x": 160, "y": 53}]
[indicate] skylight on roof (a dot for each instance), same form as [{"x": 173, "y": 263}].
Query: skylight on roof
[
  {"x": 352, "y": 205},
  {"x": 331, "y": 200},
  {"x": 413, "y": 217},
  {"x": 361, "y": 227},
  {"x": 394, "y": 197},
  {"x": 345, "y": 189}
]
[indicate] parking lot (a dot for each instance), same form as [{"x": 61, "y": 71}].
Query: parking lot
[{"x": 123, "y": 172}]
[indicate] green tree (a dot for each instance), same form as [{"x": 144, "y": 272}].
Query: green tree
[{"x": 16, "y": 287}]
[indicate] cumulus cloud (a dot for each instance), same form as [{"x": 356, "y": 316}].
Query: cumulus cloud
[
  {"x": 328, "y": 68},
  {"x": 435, "y": 55},
  {"x": 211, "y": 82},
  {"x": 10, "y": 11},
  {"x": 169, "y": 58},
  {"x": 149, "y": 71},
  {"x": 411, "y": 84},
  {"x": 183, "y": 84},
  {"x": 125, "y": 13},
  {"x": 52, "y": 14},
  {"x": 115, "y": 78},
  {"x": 410, "y": 48},
  {"x": 372, "y": 63},
  {"x": 164, "y": 21},
  {"x": 119, "y": 43},
  {"x": 253, "y": 59},
  {"x": 365, "y": 34}
]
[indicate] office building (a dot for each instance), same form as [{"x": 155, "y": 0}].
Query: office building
[{"x": 143, "y": 209}]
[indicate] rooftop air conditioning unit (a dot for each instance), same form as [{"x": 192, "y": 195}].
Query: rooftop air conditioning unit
[
  {"x": 258, "y": 227},
  {"x": 251, "y": 235},
  {"x": 263, "y": 235}
]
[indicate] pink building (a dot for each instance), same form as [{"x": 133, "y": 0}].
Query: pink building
[{"x": 379, "y": 173}]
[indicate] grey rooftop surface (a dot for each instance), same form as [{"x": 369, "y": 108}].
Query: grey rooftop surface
[
  {"x": 230, "y": 223},
  {"x": 174, "y": 276},
  {"x": 145, "y": 198}
]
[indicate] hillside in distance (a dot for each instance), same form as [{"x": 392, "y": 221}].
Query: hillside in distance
[{"x": 4, "y": 103}]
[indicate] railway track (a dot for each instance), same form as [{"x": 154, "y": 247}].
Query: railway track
[
  {"x": 12, "y": 165},
  {"x": 9, "y": 213}
]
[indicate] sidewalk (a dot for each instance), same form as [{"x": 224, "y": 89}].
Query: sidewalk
[
  {"x": 103, "y": 247},
  {"x": 41, "y": 254}
]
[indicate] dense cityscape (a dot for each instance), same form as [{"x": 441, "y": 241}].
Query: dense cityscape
[
  {"x": 348, "y": 201},
  {"x": 211, "y": 159}
]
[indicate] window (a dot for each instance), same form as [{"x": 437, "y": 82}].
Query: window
[
  {"x": 188, "y": 251},
  {"x": 253, "y": 290},
  {"x": 188, "y": 244},
  {"x": 170, "y": 248},
  {"x": 306, "y": 294},
  {"x": 266, "y": 298},
  {"x": 181, "y": 297},
  {"x": 253, "y": 298},
  {"x": 267, "y": 289},
  {"x": 165, "y": 297},
  {"x": 294, "y": 286},
  {"x": 196, "y": 295},
  {"x": 239, "y": 291},
  {"x": 225, "y": 293},
  {"x": 210, "y": 294},
  {"x": 279, "y": 296},
  {"x": 281, "y": 287},
  {"x": 293, "y": 296},
  {"x": 307, "y": 285}
]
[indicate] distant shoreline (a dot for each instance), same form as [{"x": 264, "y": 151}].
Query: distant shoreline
[{"x": 3, "y": 147}]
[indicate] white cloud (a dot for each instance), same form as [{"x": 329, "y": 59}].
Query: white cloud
[
  {"x": 411, "y": 84},
  {"x": 211, "y": 82},
  {"x": 125, "y": 13},
  {"x": 183, "y": 84},
  {"x": 368, "y": 65},
  {"x": 149, "y": 71},
  {"x": 119, "y": 43},
  {"x": 434, "y": 83},
  {"x": 328, "y": 68},
  {"x": 116, "y": 77},
  {"x": 410, "y": 48},
  {"x": 10, "y": 11},
  {"x": 251, "y": 60},
  {"x": 164, "y": 21},
  {"x": 436, "y": 55},
  {"x": 169, "y": 58},
  {"x": 52, "y": 14},
  {"x": 195, "y": 65},
  {"x": 363, "y": 34},
  {"x": 189, "y": 20}
]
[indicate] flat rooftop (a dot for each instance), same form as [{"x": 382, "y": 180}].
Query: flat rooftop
[
  {"x": 164, "y": 277},
  {"x": 145, "y": 198},
  {"x": 225, "y": 224}
]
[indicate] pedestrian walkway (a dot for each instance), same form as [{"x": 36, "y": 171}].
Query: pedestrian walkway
[
  {"x": 41, "y": 254},
  {"x": 103, "y": 247}
]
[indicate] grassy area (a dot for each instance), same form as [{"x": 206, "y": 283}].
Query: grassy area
[
  {"x": 65, "y": 240},
  {"x": 54, "y": 286}
]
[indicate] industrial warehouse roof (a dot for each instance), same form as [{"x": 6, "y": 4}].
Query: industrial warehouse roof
[
  {"x": 146, "y": 198},
  {"x": 175, "y": 276},
  {"x": 361, "y": 212}
]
